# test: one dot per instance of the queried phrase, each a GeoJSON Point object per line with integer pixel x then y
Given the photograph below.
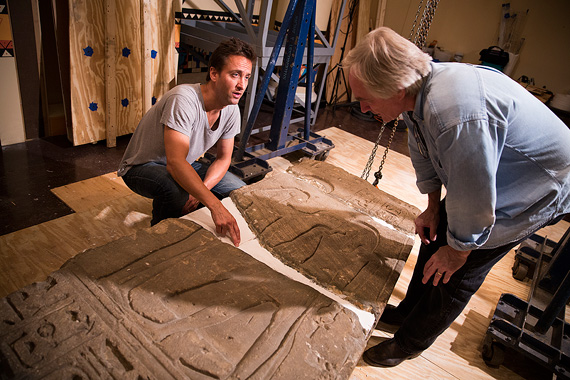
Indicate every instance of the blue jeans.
{"type": "Point", "coordinates": [152, 180]}
{"type": "Point", "coordinates": [429, 309]}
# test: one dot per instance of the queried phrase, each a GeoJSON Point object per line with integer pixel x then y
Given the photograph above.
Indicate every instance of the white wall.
{"type": "Point", "coordinates": [468, 26]}
{"type": "Point", "coordinates": [11, 118]}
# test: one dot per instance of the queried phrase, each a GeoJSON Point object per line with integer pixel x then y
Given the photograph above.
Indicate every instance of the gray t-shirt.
{"type": "Point", "coordinates": [183, 110]}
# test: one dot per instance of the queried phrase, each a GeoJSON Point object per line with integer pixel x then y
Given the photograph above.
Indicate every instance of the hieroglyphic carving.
{"type": "Point", "coordinates": [357, 193]}
{"type": "Point", "coordinates": [174, 302]}
{"type": "Point", "coordinates": [318, 219]}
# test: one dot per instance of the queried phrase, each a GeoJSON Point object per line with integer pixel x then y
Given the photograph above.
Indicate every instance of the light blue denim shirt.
{"type": "Point", "coordinates": [502, 155]}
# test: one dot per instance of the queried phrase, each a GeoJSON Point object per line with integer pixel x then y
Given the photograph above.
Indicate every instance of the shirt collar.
{"type": "Point", "coordinates": [420, 98]}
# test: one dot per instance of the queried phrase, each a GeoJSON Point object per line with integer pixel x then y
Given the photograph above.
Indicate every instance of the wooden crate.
{"type": "Point", "coordinates": [122, 59]}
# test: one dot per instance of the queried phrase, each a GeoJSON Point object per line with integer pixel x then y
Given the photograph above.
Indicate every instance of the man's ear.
{"type": "Point", "coordinates": [213, 74]}
{"type": "Point", "coordinates": [401, 94]}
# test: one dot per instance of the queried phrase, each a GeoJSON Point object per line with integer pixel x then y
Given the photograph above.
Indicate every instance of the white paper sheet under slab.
{"type": "Point", "coordinates": [250, 245]}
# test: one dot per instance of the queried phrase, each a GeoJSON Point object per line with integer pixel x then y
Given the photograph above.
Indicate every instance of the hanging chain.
{"type": "Point", "coordinates": [423, 28]}
{"type": "Point", "coordinates": [412, 31]}
{"type": "Point", "coordinates": [378, 174]}
{"type": "Point", "coordinates": [366, 171]}
{"type": "Point", "coordinates": [418, 37]}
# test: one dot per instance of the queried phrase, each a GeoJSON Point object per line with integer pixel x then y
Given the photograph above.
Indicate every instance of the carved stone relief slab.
{"type": "Point", "coordinates": [333, 227]}
{"type": "Point", "coordinates": [174, 302]}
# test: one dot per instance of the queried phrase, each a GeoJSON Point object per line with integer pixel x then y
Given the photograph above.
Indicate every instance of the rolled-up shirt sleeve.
{"type": "Point", "coordinates": [469, 156]}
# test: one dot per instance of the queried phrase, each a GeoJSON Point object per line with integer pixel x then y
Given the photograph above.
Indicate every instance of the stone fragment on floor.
{"type": "Point", "coordinates": [335, 228]}
{"type": "Point", "coordinates": [173, 302]}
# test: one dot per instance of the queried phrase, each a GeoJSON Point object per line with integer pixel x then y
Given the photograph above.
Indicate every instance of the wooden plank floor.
{"type": "Point", "coordinates": [107, 210]}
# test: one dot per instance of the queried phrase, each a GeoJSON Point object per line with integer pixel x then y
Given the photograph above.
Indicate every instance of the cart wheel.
{"type": "Point", "coordinates": [493, 354]}
{"type": "Point", "coordinates": [322, 156]}
{"type": "Point", "coordinates": [520, 271]}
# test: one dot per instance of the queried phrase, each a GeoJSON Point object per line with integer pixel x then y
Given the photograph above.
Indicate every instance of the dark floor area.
{"type": "Point", "coordinates": [28, 171]}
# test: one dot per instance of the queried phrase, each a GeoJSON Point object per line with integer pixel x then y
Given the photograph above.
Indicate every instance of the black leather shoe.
{"type": "Point", "coordinates": [391, 318]}
{"type": "Point", "coordinates": [386, 354]}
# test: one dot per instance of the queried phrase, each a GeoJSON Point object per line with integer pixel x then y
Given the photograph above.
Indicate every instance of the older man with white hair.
{"type": "Point", "coordinates": [502, 155]}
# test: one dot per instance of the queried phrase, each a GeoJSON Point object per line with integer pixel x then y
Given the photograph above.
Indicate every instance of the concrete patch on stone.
{"type": "Point", "coordinates": [174, 302]}
{"type": "Point", "coordinates": [324, 222]}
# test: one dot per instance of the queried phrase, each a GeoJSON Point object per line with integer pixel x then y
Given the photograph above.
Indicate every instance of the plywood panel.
{"type": "Point", "coordinates": [147, 43]}
{"type": "Point", "coordinates": [363, 26]}
{"type": "Point", "coordinates": [30, 254]}
{"type": "Point", "coordinates": [129, 66]}
{"type": "Point", "coordinates": [87, 71]}
{"type": "Point", "coordinates": [83, 195]}
{"type": "Point", "coordinates": [110, 73]}
{"type": "Point", "coordinates": [161, 49]}
{"type": "Point", "coordinates": [140, 38]}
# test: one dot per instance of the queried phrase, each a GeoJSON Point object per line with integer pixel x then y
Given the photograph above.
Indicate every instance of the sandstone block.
{"type": "Point", "coordinates": [333, 227]}
{"type": "Point", "coordinates": [173, 302]}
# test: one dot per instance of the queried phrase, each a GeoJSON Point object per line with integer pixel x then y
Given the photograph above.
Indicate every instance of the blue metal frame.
{"type": "Point", "coordinates": [297, 31]}
{"type": "Point", "coordinates": [292, 60]}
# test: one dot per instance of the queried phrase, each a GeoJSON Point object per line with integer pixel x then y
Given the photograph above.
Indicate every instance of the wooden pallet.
{"type": "Point", "coordinates": [122, 57]}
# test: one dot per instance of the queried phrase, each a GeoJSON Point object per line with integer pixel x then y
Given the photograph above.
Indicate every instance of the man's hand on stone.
{"type": "Point", "coordinates": [226, 224]}
{"type": "Point", "coordinates": [426, 225]}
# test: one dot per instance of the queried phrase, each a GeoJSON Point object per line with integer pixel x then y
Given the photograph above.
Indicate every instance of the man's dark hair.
{"type": "Point", "coordinates": [233, 46]}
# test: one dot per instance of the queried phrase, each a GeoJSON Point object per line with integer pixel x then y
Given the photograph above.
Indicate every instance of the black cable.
{"type": "Point", "coordinates": [340, 71]}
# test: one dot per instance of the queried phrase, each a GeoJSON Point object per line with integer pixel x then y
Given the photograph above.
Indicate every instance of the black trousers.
{"type": "Point", "coordinates": [432, 309]}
